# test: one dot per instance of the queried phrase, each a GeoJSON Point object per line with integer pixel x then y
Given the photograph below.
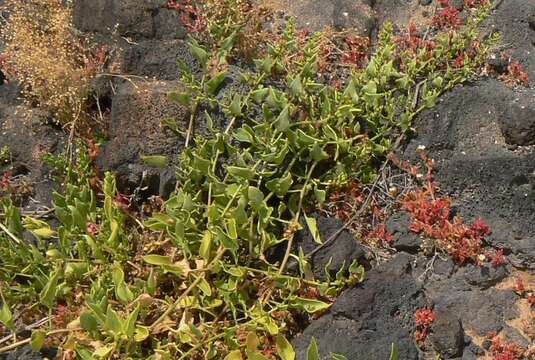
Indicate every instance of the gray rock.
{"type": "Point", "coordinates": [365, 320]}
{"type": "Point", "coordinates": [26, 353]}
{"type": "Point", "coordinates": [513, 19]}
{"type": "Point", "coordinates": [137, 111]}
{"type": "Point", "coordinates": [447, 336]}
{"type": "Point", "coordinates": [129, 17]}
{"type": "Point", "coordinates": [484, 276]}
{"type": "Point", "coordinates": [464, 136]}
{"type": "Point", "coordinates": [314, 15]}
{"type": "Point", "coordinates": [156, 58]}
{"type": "Point", "coordinates": [340, 252]}
{"type": "Point", "coordinates": [518, 124]}
{"type": "Point", "coordinates": [404, 240]}
{"type": "Point", "coordinates": [457, 4]}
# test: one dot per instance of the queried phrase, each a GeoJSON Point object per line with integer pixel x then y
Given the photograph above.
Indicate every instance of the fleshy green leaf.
{"type": "Point", "coordinates": [48, 294]}
{"type": "Point", "coordinates": [313, 228]}
{"type": "Point", "coordinates": [206, 245]}
{"type": "Point", "coordinates": [284, 348]}
{"type": "Point", "coordinates": [159, 161]}
{"type": "Point", "coordinates": [312, 350]}
{"type": "Point", "coordinates": [256, 197]}
{"type": "Point", "coordinates": [394, 352]}
{"type": "Point", "coordinates": [283, 120]}
{"type": "Point", "coordinates": [234, 355]}
{"type": "Point", "coordinates": [309, 305]}
{"type": "Point", "coordinates": [37, 340]}
{"type": "Point", "coordinates": [6, 317]}
{"type": "Point", "coordinates": [88, 321]}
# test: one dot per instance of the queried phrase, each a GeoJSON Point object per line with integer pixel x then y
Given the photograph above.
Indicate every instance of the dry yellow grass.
{"type": "Point", "coordinates": [42, 52]}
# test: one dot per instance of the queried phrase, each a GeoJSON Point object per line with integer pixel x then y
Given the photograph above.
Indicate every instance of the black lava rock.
{"type": "Point", "coordinates": [365, 320]}
{"type": "Point", "coordinates": [342, 251]}
{"type": "Point", "coordinates": [447, 336]}
{"type": "Point", "coordinates": [404, 240]}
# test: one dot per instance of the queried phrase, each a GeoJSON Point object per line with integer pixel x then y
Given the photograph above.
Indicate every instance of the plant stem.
{"type": "Point", "coordinates": [194, 284]}
{"type": "Point", "coordinates": [10, 234]}
{"type": "Point", "coordinates": [28, 340]}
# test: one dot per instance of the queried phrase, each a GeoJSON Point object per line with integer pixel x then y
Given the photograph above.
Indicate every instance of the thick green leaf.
{"type": "Point", "coordinates": [6, 317]}
{"type": "Point", "coordinates": [212, 85]}
{"type": "Point", "coordinates": [113, 322]}
{"type": "Point", "coordinates": [256, 197]}
{"type": "Point", "coordinates": [313, 228]}
{"type": "Point", "coordinates": [312, 350]}
{"type": "Point", "coordinates": [234, 355]}
{"type": "Point", "coordinates": [141, 333]}
{"type": "Point", "coordinates": [159, 161]}
{"type": "Point", "coordinates": [252, 341]}
{"type": "Point", "coordinates": [205, 287]}
{"type": "Point", "coordinates": [48, 294]}
{"type": "Point", "coordinates": [284, 348]}
{"type": "Point", "coordinates": [103, 351]}
{"type": "Point", "coordinates": [198, 52]}
{"type": "Point", "coordinates": [182, 98]}
{"type": "Point", "coordinates": [283, 120]}
{"type": "Point", "coordinates": [154, 259]}
{"type": "Point", "coordinates": [206, 245]}
{"type": "Point", "coordinates": [129, 325]}
{"type": "Point", "coordinates": [43, 232]}
{"type": "Point", "coordinates": [37, 340]}
{"type": "Point", "coordinates": [309, 305]}
{"type": "Point", "coordinates": [122, 291]}
{"type": "Point", "coordinates": [255, 356]}
{"type": "Point", "coordinates": [88, 321]}
{"type": "Point", "coordinates": [241, 172]}
{"type": "Point", "coordinates": [394, 352]}
{"type": "Point", "coordinates": [236, 105]}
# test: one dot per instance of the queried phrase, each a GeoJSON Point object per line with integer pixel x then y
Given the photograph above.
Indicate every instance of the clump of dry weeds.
{"type": "Point", "coordinates": [43, 53]}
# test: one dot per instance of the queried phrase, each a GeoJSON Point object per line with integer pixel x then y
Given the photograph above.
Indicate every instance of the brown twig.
{"type": "Point", "coordinates": [334, 236]}
{"type": "Point", "coordinates": [28, 340]}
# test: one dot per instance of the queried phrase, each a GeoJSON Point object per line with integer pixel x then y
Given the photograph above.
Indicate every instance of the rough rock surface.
{"type": "Point", "coordinates": [340, 252]}
{"type": "Point", "coordinates": [365, 320]}
{"type": "Point", "coordinates": [481, 136]}
{"type": "Point", "coordinates": [334, 14]}
{"type": "Point", "coordinates": [26, 353]}
{"type": "Point", "coordinates": [28, 135]}
{"type": "Point", "coordinates": [487, 178]}
{"type": "Point", "coordinates": [137, 112]}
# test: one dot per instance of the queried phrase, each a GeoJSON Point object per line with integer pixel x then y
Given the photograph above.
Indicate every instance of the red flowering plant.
{"type": "Point", "coordinates": [357, 51]}
{"type": "Point", "coordinates": [423, 318]}
{"type": "Point", "coordinates": [431, 216]}
{"type": "Point", "coordinates": [412, 43]}
{"type": "Point", "coordinates": [190, 15]}
{"type": "Point", "coordinates": [504, 350]}
{"type": "Point", "coordinates": [447, 18]}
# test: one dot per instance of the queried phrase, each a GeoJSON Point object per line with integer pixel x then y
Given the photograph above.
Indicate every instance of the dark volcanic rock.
{"type": "Point", "coordinates": [340, 252]}
{"type": "Point", "coordinates": [480, 311]}
{"type": "Point", "coordinates": [484, 276]}
{"type": "Point", "coordinates": [137, 111]}
{"type": "Point", "coordinates": [158, 59]}
{"type": "Point", "coordinates": [26, 353]}
{"type": "Point", "coordinates": [29, 135]}
{"type": "Point", "coordinates": [338, 14]}
{"type": "Point", "coordinates": [447, 336]}
{"type": "Point", "coordinates": [518, 124]}
{"type": "Point", "coordinates": [404, 240]}
{"type": "Point", "coordinates": [512, 18]}
{"type": "Point", "coordinates": [132, 18]}
{"type": "Point", "coordinates": [365, 320]}
{"type": "Point", "coordinates": [487, 180]}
